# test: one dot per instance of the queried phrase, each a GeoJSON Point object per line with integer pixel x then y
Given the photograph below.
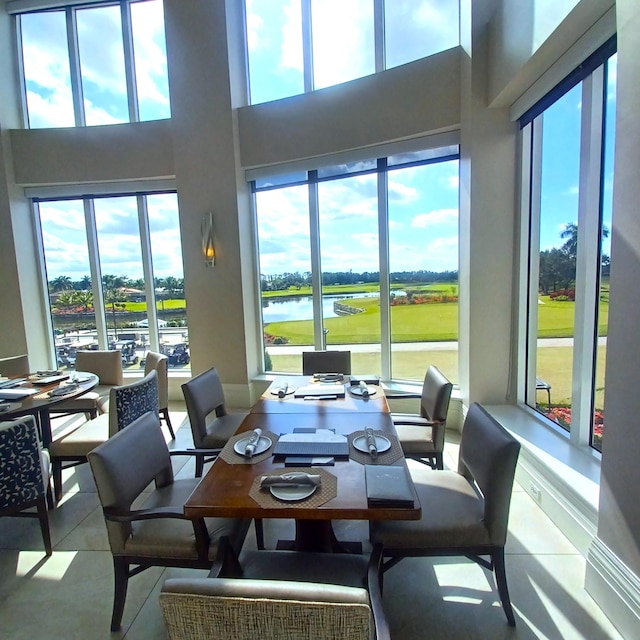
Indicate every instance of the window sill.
{"type": "Point", "coordinates": [562, 478]}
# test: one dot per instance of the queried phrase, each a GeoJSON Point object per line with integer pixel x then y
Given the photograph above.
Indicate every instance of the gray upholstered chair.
{"type": "Point", "coordinates": [464, 513]}
{"type": "Point", "coordinates": [107, 365]}
{"type": "Point", "coordinates": [422, 435]}
{"type": "Point", "coordinates": [211, 424]}
{"type": "Point", "coordinates": [14, 366]}
{"type": "Point", "coordinates": [24, 474]}
{"type": "Point", "coordinates": [326, 362]}
{"type": "Point", "coordinates": [281, 595]}
{"type": "Point", "coordinates": [126, 403]}
{"type": "Point", "coordinates": [160, 363]}
{"type": "Point", "coordinates": [156, 532]}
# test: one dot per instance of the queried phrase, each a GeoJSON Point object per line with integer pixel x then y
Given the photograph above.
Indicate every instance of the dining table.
{"type": "Point", "coordinates": [42, 391]}
{"type": "Point", "coordinates": [234, 485]}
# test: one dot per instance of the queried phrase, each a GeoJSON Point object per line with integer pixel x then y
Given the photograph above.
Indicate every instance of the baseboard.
{"type": "Point", "coordinates": [614, 587]}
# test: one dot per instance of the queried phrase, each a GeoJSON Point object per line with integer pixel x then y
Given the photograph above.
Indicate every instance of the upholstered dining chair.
{"type": "Point", "coordinates": [281, 595]}
{"type": "Point", "coordinates": [14, 366]}
{"type": "Point", "coordinates": [126, 403]}
{"type": "Point", "coordinates": [422, 435]}
{"type": "Point", "coordinates": [464, 513]}
{"type": "Point", "coordinates": [155, 533]}
{"type": "Point", "coordinates": [160, 363]}
{"type": "Point", "coordinates": [326, 362]}
{"type": "Point", "coordinates": [24, 474]}
{"type": "Point", "coordinates": [211, 424]}
{"type": "Point", "coordinates": [107, 365]}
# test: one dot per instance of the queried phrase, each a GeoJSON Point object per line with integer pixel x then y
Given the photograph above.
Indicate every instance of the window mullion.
{"type": "Point", "coordinates": [379, 35]}
{"type": "Point", "coordinates": [96, 273]}
{"type": "Point", "coordinates": [74, 68]}
{"type": "Point", "coordinates": [316, 265]}
{"type": "Point", "coordinates": [307, 45]}
{"type": "Point", "coordinates": [129, 61]}
{"type": "Point", "coordinates": [147, 270]}
{"type": "Point", "coordinates": [587, 257]}
{"type": "Point", "coordinates": [383, 248]}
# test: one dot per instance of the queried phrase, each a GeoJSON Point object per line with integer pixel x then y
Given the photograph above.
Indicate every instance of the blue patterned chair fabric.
{"type": "Point", "coordinates": [134, 400]}
{"type": "Point", "coordinates": [21, 478]}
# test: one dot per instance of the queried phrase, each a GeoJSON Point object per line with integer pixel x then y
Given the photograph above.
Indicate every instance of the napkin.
{"type": "Point", "coordinates": [371, 442]}
{"type": "Point", "coordinates": [365, 389]}
{"type": "Point", "coordinates": [288, 479]}
{"type": "Point", "coordinates": [282, 391]}
{"type": "Point", "coordinates": [252, 443]}
{"type": "Point", "coordinates": [63, 391]}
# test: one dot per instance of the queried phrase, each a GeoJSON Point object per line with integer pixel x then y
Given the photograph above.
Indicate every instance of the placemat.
{"type": "Point", "coordinates": [388, 457]}
{"type": "Point", "coordinates": [327, 490]}
{"type": "Point", "coordinates": [45, 395]}
{"type": "Point", "coordinates": [231, 457]}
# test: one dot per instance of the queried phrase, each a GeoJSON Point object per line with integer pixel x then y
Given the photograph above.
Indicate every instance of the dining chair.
{"type": "Point", "coordinates": [24, 474]}
{"type": "Point", "coordinates": [464, 512]}
{"type": "Point", "coordinates": [107, 365]}
{"type": "Point", "coordinates": [326, 362]}
{"type": "Point", "coordinates": [211, 424]}
{"type": "Point", "coordinates": [14, 366]}
{"type": "Point", "coordinates": [155, 532]}
{"type": "Point", "coordinates": [126, 403]}
{"type": "Point", "coordinates": [422, 435]}
{"type": "Point", "coordinates": [282, 595]}
{"type": "Point", "coordinates": [160, 363]}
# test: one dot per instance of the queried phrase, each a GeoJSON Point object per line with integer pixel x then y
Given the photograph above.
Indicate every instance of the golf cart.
{"type": "Point", "coordinates": [127, 349]}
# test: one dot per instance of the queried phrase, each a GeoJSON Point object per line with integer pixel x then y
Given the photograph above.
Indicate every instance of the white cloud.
{"type": "Point", "coordinates": [292, 57]}
{"type": "Point", "coordinates": [440, 216]}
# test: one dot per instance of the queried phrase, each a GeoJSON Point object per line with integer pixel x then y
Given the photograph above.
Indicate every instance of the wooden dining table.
{"type": "Point", "coordinates": [229, 487]}
{"type": "Point", "coordinates": [39, 403]}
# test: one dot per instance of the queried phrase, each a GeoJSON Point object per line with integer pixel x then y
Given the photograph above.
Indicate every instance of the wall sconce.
{"type": "Point", "coordinates": [208, 249]}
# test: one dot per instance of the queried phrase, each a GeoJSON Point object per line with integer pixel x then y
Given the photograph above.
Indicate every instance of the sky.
{"type": "Point", "coordinates": [423, 201]}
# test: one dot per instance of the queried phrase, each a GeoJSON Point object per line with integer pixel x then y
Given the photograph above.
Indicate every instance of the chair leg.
{"type": "Point", "coordinates": [259, 533]}
{"type": "Point", "coordinates": [438, 461]}
{"type": "Point", "coordinates": [56, 472]}
{"type": "Point", "coordinates": [50, 501]}
{"type": "Point", "coordinates": [199, 465]}
{"type": "Point", "coordinates": [121, 580]}
{"type": "Point", "coordinates": [43, 516]}
{"type": "Point", "coordinates": [501, 580]}
{"type": "Point", "coordinates": [165, 415]}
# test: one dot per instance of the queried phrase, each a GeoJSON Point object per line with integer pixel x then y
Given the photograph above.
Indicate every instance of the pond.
{"type": "Point", "coordinates": [301, 308]}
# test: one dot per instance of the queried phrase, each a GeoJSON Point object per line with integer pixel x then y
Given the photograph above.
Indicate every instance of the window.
{"type": "Point", "coordinates": [97, 64]}
{"type": "Point", "coordinates": [301, 45]}
{"type": "Point", "coordinates": [567, 143]}
{"type": "Point", "coordinates": [131, 245]}
{"type": "Point", "coordinates": [362, 256]}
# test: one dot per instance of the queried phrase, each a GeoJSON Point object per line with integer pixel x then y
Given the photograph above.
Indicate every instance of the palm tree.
{"type": "Point", "coordinates": [61, 283]}
{"type": "Point", "coordinates": [570, 233]}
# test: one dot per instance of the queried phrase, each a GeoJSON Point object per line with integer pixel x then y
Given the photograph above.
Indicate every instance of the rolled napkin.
{"type": "Point", "coordinates": [288, 479]}
{"type": "Point", "coordinates": [63, 390]}
{"type": "Point", "coordinates": [252, 443]}
{"type": "Point", "coordinates": [282, 391]}
{"type": "Point", "coordinates": [365, 389]}
{"type": "Point", "coordinates": [371, 442]}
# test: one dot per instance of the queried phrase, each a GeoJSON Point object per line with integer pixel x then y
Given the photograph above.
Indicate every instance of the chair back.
{"type": "Point", "coordinates": [326, 362]}
{"type": "Point", "coordinates": [220, 608]}
{"type": "Point", "coordinates": [436, 394]}
{"type": "Point", "coordinates": [203, 394]}
{"type": "Point", "coordinates": [107, 365]}
{"type": "Point", "coordinates": [489, 455]}
{"type": "Point", "coordinates": [14, 366]}
{"type": "Point", "coordinates": [123, 467]}
{"type": "Point", "coordinates": [130, 401]}
{"type": "Point", "coordinates": [159, 363]}
{"type": "Point", "coordinates": [22, 476]}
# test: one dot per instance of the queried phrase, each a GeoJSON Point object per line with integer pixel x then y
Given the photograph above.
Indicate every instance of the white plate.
{"type": "Point", "coordinates": [261, 446]}
{"type": "Point", "coordinates": [357, 391]}
{"type": "Point", "coordinates": [383, 444]}
{"type": "Point", "coordinates": [292, 493]}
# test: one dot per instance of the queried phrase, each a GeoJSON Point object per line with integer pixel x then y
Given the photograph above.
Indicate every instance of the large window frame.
{"type": "Point", "coordinates": [71, 9]}
{"type": "Point", "coordinates": [592, 75]}
{"type": "Point", "coordinates": [436, 149]}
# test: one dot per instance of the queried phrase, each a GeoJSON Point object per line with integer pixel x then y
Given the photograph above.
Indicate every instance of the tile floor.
{"type": "Point", "coordinates": [69, 595]}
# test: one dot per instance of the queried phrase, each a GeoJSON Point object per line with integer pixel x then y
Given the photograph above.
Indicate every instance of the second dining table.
{"type": "Point", "coordinates": [234, 485]}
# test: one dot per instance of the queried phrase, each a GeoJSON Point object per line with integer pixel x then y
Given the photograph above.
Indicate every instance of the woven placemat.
{"type": "Point", "coordinates": [388, 457]}
{"type": "Point", "coordinates": [327, 490]}
{"type": "Point", "coordinates": [229, 455]}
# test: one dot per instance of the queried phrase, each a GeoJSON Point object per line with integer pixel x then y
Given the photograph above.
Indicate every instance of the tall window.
{"type": "Point", "coordinates": [115, 277]}
{"type": "Point", "coordinates": [97, 64]}
{"type": "Point", "coordinates": [301, 45]}
{"type": "Point", "coordinates": [362, 256]}
{"type": "Point", "coordinates": [568, 144]}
